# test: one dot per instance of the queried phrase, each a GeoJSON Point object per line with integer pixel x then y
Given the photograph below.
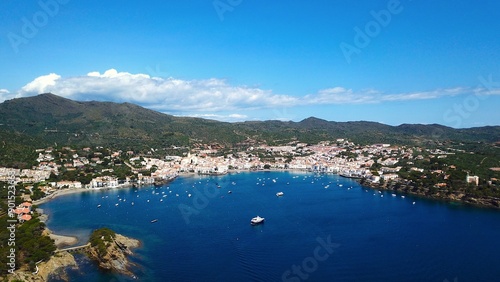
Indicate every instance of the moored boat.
{"type": "Point", "coordinates": [257, 220]}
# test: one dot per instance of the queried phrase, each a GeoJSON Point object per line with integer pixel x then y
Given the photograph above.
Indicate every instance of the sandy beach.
{"type": "Point", "coordinates": [61, 241]}
{"type": "Point", "coordinates": [59, 193]}
{"type": "Point", "coordinates": [63, 192]}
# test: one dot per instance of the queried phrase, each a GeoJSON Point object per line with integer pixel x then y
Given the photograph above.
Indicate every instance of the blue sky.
{"type": "Point", "coordinates": [387, 61]}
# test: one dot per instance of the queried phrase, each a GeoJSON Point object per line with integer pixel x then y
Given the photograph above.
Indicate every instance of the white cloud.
{"type": "Point", "coordinates": [163, 94]}
{"type": "Point", "coordinates": [205, 97]}
{"type": "Point", "coordinates": [426, 94]}
{"type": "Point", "coordinates": [41, 84]}
{"type": "Point", "coordinates": [339, 95]}
{"type": "Point", "coordinates": [222, 117]}
{"type": "Point", "coordinates": [6, 95]}
{"type": "Point", "coordinates": [238, 116]}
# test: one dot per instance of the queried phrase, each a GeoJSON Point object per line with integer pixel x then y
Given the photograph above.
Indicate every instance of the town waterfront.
{"type": "Point", "coordinates": [324, 228]}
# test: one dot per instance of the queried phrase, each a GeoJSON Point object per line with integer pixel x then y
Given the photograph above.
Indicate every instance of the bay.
{"type": "Point", "coordinates": [324, 228]}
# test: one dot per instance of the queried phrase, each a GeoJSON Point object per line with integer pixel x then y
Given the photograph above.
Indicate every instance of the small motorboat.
{"type": "Point", "coordinates": [257, 220]}
{"type": "Point", "coordinates": [154, 220]}
{"type": "Point", "coordinates": [279, 194]}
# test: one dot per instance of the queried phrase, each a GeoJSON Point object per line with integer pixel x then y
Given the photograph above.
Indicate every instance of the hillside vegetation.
{"type": "Point", "coordinates": [49, 120]}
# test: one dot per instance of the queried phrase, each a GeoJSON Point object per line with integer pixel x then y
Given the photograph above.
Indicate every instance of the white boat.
{"type": "Point", "coordinates": [256, 220]}
{"type": "Point", "coordinates": [98, 206]}
{"type": "Point", "coordinates": [279, 194]}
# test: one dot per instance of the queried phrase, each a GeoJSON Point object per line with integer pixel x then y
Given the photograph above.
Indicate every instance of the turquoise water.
{"type": "Point", "coordinates": [343, 232]}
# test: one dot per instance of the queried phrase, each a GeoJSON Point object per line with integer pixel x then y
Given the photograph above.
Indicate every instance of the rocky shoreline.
{"type": "Point", "coordinates": [484, 202]}
{"type": "Point", "coordinates": [116, 255]}
{"type": "Point", "coordinates": [56, 266]}
{"type": "Point", "coordinates": [115, 259]}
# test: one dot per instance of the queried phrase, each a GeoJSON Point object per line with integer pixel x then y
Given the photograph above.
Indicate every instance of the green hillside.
{"type": "Point", "coordinates": [48, 120]}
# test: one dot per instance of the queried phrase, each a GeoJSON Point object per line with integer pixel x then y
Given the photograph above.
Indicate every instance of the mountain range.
{"type": "Point", "coordinates": [47, 119]}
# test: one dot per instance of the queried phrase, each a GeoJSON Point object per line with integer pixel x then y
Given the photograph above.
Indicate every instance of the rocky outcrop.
{"type": "Point", "coordinates": [114, 258]}
{"type": "Point", "coordinates": [485, 202]}
{"type": "Point", "coordinates": [56, 266]}
{"type": "Point", "coordinates": [489, 202]}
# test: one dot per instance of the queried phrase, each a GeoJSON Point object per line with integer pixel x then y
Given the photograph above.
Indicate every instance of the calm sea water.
{"type": "Point", "coordinates": [369, 236]}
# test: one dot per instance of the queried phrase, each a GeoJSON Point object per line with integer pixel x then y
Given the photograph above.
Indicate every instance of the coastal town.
{"type": "Point", "coordinates": [413, 170]}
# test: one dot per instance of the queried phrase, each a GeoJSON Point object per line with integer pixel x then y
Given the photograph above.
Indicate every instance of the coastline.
{"type": "Point", "coordinates": [70, 240]}
{"type": "Point", "coordinates": [478, 202]}
{"type": "Point", "coordinates": [59, 193]}
{"type": "Point", "coordinates": [68, 191]}
{"type": "Point", "coordinates": [61, 240]}
{"type": "Point", "coordinates": [56, 265]}
{"type": "Point", "coordinates": [483, 202]}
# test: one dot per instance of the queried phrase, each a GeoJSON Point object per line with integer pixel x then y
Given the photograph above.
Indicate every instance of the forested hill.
{"type": "Point", "coordinates": [47, 119]}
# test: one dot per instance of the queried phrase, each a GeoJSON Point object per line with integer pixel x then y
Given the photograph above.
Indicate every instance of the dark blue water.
{"type": "Point", "coordinates": [340, 233]}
